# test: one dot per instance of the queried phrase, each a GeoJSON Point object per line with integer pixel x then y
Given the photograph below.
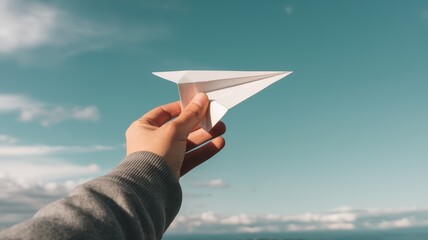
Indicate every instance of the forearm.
{"type": "Point", "coordinates": [137, 200]}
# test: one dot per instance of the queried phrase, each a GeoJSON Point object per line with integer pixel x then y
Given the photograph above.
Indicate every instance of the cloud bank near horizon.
{"type": "Point", "coordinates": [32, 176]}
{"type": "Point", "coordinates": [20, 198]}
{"type": "Point", "coordinates": [340, 219]}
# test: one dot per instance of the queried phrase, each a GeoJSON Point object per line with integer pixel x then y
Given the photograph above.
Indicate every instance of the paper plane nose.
{"type": "Point", "coordinates": [174, 76]}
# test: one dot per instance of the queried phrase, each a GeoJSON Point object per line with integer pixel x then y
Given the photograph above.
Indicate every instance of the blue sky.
{"type": "Point", "coordinates": [345, 135]}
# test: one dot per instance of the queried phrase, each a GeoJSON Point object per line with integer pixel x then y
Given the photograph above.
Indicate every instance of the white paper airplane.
{"type": "Point", "coordinates": [225, 89]}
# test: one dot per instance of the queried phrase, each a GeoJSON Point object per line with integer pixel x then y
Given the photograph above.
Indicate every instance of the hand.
{"type": "Point", "coordinates": [174, 140]}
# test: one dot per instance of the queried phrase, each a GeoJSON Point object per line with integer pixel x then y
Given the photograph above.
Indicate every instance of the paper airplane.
{"type": "Point", "coordinates": [225, 89]}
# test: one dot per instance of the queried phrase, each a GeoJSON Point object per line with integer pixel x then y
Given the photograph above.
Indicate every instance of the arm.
{"type": "Point", "coordinates": [141, 196]}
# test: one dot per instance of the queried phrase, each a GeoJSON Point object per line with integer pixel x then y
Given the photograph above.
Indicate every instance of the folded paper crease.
{"type": "Point", "coordinates": [225, 89]}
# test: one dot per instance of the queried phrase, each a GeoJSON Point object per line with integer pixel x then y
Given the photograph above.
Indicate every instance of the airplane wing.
{"type": "Point", "coordinates": [225, 89]}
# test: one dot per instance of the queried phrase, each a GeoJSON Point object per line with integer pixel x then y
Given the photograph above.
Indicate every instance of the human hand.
{"type": "Point", "coordinates": [174, 140]}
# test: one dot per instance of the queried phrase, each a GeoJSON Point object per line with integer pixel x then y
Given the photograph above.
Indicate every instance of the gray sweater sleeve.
{"type": "Point", "coordinates": [136, 200]}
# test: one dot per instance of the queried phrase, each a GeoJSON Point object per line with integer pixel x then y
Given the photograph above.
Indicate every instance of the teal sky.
{"type": "Point", "coordinates": [347, 128]}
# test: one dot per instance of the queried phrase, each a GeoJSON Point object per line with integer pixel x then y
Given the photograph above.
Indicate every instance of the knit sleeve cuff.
{"type": "Point", "coordinates": [149, 176]}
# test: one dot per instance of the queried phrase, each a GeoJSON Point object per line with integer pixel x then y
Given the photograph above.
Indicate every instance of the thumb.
{"type": "Point", "coordinates": [192, 115]}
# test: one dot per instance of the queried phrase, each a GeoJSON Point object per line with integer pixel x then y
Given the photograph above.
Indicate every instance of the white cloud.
{"type": "Point", "coordinates": [344, 219]}
{"type": "Point", "coordinates": [399, 223]}
{"type": "Point", "coordinates": [25, 24]}
{"type": "Point", "coordinates": [36, 162]}
{"type": "Point", "coordinates": [248, 229]}
{"type": "Point", "coordinates": [32, 150]}
{"type": "Point", "coordinates": [29, 26]}
{"type": "Point", "coordinates": [28, 182]}
{"type": "Point", "coordinates": [375, 212]}
{"type": "Point", "coordinates": [214, 183]}
{"type": "Point", "coordinates": [209, 217]}
{"type": "Point", "coordinates": [29, 109]}
{"type": "Point", "coordinates": [237, 219]}
{"type": "Point", "coordinates": [30, 177]}
{"type": "Point", "coordinates": [46, 169]}
{"type": "Point", "coordinates": [5, 139]}
{"type": "Point", "coordinates": [301, 228]}
{"type": "Point", "coordinates": [20, 199]}
{"type": "Point", "coordinates": [325, 218]}
{"type": "Point", "coordinates": [340, 226]}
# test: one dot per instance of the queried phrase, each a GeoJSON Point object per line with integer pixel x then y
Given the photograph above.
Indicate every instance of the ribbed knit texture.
{"type": "Point", "coordinates": [150, 179]}
{"type": "Point", "coordinates": [136, 200]}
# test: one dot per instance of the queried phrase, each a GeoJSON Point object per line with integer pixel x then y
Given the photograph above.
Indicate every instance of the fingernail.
{"type": "Point", "coordinates": [200, 99]}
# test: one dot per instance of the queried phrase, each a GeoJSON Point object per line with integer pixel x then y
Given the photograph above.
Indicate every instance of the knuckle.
{"type": "Point", "coordinates": [148, 121]}
{"type": "Point", "coordinates": [193, 112]}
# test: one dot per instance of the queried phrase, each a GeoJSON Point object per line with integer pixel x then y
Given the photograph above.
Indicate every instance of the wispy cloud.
{"type": "Point", "coordinates": [43, 162]}
{"type": "Point", "coordinates": [46, 169]}
{"type": "Point", "coordinates": [34, 150]}
{"type": "Point", "coordinates": [26, 26]}
{"type": "Point", "coordinates": [288, 10]}
{"type": "Point", "coordinates": [30, 110]}
{"type": "Point", "coordinates": [399, 223]}
{"type": "Point", "coordinates": [214, 183]}
{"type": "Point", "coordinates": [5, 139]}
{"type": "Point", "coordinates": [337, 219]}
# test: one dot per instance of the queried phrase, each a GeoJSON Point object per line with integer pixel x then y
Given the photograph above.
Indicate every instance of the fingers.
{"type": "Point", "coordinates": [200, 155]}
{"type": "Point", "coordinates": [200, 136]}
{"type": "Point", "coordinates": [192, 115]}
{"type": "Point", "coordinates": [162, 114]}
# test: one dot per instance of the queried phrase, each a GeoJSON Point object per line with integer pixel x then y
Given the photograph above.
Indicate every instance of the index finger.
{"type": "Point", "coordinates": [162, 114]}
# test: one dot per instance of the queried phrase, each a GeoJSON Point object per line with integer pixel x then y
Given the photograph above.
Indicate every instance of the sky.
{"type": "Point", "coordinates": [341, 144]}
